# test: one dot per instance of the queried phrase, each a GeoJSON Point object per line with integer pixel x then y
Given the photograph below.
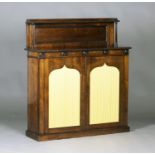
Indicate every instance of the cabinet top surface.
{"type": "Point", "coordinates": [71, 20]}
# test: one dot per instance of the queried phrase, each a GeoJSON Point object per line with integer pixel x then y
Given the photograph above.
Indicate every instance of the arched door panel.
{"type": "Point", "coordinates": [104, 95]}
{"type": "Point", "coordinates": [64, 98]}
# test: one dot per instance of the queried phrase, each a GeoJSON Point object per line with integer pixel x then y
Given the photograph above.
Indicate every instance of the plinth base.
{"type": "Point", "coordinates": [82, 133]}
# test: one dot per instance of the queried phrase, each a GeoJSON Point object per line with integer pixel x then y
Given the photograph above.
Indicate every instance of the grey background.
{"type": "Point", "coordinates": [136, 29]}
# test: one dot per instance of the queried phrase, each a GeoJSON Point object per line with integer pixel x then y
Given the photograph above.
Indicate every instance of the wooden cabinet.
{"type": "Point", "coordinates": [77, 78]}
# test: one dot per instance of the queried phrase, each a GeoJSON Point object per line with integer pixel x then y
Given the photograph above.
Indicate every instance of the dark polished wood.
{"type": "Point", "coordinates": [89, 132]}
{"type": "Point", "coordinates": [71, 34]}
{"type": "Point", "coordinates": [81, 44]}
{"type": "Point", "coordinates": [72, 20]}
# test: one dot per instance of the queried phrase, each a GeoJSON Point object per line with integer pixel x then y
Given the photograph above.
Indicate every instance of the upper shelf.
{"type": "Point", "coordinates": [57, 34]}
{"type": "Point", "coordinates": [71, 20]}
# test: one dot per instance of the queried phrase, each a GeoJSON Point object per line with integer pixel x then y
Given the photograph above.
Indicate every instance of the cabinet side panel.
{"type": "Point", "coordinates": [29, 32]}
{"type": "Point", "coordinates": [111, 40]}
{"type": "Point", "coordinates": [41, 95]}
{"type": "Point", "coordinates": [32, 95]}
{"type": "Point", "coordinates": [124, 117]}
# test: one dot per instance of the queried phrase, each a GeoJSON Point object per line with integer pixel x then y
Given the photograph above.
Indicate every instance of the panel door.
{"type": "Point", "coordinates": [63, 96]}
{"type": "Point", "coordinates": [107, 91]}
{"type": "Point", "coordinates": [104, 94]}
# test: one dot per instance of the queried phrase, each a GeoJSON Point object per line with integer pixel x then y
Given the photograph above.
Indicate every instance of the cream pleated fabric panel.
{"type": "Point", "coordinates": [64, 98]}
{"type": "Point", "coordinates": [104, 95]}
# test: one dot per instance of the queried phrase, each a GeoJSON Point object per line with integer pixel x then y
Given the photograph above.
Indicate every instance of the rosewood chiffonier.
{"type": "Point", "coordinates": [77, 78]}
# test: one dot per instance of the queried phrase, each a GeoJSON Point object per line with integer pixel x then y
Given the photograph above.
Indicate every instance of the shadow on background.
{"type": "Point", "coordinates": [13, 114]}
{"type": "Point", "coordinates": [139, 123]}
